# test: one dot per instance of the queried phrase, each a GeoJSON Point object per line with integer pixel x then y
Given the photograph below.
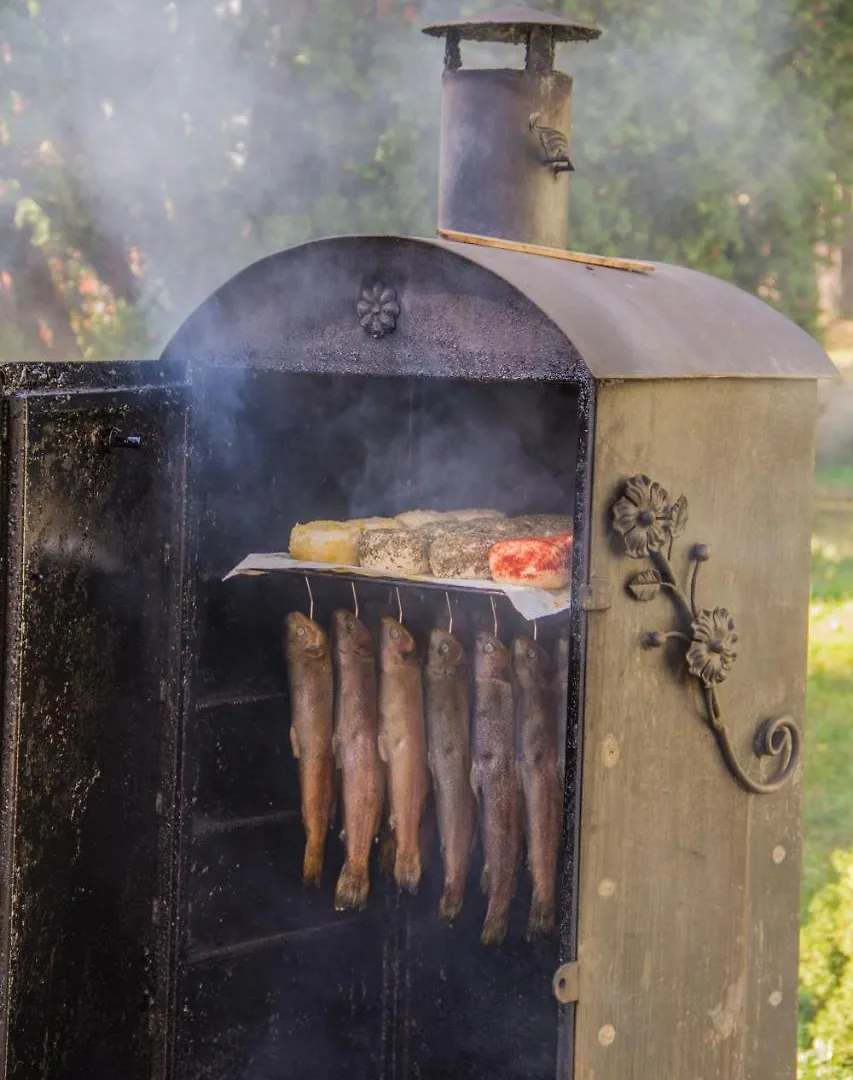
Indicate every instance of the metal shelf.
{"type": "Point", "coordinates": [202, 954]}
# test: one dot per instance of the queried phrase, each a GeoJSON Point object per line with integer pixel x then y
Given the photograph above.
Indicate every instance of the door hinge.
{"type": "Point", "coordinates": [596, 596]}
{"type": "Point", "coordinates": [566, 983]}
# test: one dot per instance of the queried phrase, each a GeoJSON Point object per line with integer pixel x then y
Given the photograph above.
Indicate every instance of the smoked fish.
{"type": "Point", "coordinates": [357, 754]}
{"type": "Point", "coordinates": [494, 779]}
{"type": "Point", "coordinates": [447, 699]}
{"type": "Point", "coordinates": [537, 754]}
{"type": "Point", "coordinates": [309, 668]}
{"type": "Point", "coordinates": [402, 745]}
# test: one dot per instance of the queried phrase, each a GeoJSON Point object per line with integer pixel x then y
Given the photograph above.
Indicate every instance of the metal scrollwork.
{"type": "Point", "coordinates": [648, 523]}
{"type": "Point", "coordinates": [377, 310]}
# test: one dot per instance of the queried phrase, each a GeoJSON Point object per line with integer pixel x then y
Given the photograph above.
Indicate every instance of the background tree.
{"type": "Point", "coordinates": [149, 151]}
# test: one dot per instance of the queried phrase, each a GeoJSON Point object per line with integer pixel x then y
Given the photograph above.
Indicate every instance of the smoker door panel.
{"type": "Point", "coordinates": [91, 699]}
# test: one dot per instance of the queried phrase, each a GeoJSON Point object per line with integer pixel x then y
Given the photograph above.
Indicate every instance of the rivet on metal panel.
{"type": "Point", "coordinates": [606, 888]}
{"type": "Point", "coordinates": [609, 751]}
{"type": "Point", "coordinates": [775, 998]}
{"type": "Point", "coordinates": [779, 854]}
{"type": "Point", "coordinates": [596, 596]}
{"type": "Point", "coordinates": [607, 1034]}
{"type": "Point", "coordinates": [566, 983]}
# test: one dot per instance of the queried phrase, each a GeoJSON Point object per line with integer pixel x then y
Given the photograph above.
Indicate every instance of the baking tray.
{"type": "Point", "coordinates": [530, 602]}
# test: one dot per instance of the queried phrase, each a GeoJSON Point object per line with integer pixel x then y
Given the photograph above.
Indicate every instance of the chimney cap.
{"type": "Point", "coordinates": [513, 25]}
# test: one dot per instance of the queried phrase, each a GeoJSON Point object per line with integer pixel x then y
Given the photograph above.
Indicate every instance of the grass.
{"type": "Point", "coordinates": [829, 722]}
{"type": "Point", "coordinates": [835, 478]}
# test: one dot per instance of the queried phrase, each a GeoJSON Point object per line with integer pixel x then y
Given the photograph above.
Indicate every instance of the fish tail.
{"type": "Point", "coordinates": [407, 870]}
{"type": "Point", "coordinates": [451, 902]}
{"type": "Point", "coordinates": [312, 864]}
{"type": "Point", "coordinates": [541, 920]}
{"type": "Point", "coordinates": [352, 889]}
{"type": "Point", "coordinates": [494, 929]}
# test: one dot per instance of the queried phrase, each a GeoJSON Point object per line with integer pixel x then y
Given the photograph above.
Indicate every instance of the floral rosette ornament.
{"type": "Point", "coordinates": [377, 310]}
{"type": "Point", "coordinates": [649, 524]}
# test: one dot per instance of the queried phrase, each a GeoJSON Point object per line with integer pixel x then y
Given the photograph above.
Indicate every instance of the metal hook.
{"type": "Point", "coordinates": [354, 598]}
{"type": "Point", "coordinates": [399, 605]}
{"type": "Point", "coordinates": [494, 614]}
{"type": "Point", "coordinates": [449, 613]}
{"type": "Point", "coordinates": [310, 597]}
{"type": "Point", "coordinates": [535, 629]}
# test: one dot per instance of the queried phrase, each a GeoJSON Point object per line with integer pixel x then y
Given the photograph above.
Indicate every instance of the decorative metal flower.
{"type": "Point", "coordinates": [378, 310]}
{"type": "Point", "coordinates": [712, 648]}
{"type": "Point", "coordinates": [648, 524]}
{"type": "Point", "coordinates": [641, 516]}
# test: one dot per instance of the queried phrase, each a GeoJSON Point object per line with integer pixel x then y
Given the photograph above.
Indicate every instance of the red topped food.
{"type": "Point", "coordinates": [543, 562]}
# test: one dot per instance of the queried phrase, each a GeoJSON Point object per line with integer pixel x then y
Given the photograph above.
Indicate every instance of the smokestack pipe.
{"type": "Point", "coordinates": [505, 134]}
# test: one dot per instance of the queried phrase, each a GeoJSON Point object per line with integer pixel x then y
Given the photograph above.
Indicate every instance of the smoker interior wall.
{"type": "Point", "coordinates": [688, 954]}
{"type": "Point", "coordinates": [271, 981]}
{"type": "Point", "coordinates": [91, 675]}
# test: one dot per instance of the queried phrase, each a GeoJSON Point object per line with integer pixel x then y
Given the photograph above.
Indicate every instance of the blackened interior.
{"type": "Point", "coordinates": [271, 982]}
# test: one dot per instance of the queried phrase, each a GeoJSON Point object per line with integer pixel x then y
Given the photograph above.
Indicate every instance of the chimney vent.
{"type": "Point", "coordinates": [505, 133]}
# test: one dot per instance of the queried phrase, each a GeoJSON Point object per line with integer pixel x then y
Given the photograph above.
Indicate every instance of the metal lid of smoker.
{"type": "Point", "coordinates": [513, 25]}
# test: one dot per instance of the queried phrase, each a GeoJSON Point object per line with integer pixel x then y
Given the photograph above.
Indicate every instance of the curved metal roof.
{"type": "Point", "coordinates": [670, 323]}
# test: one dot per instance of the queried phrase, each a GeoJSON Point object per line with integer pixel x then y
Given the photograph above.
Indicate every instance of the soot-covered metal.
{"type": "Point", "coordinates": [155, 925]}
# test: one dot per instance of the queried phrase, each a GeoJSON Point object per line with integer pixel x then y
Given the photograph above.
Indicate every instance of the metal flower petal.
{"type": "Point", "coordinates": [641, 516]}
{"type": "Point", "coordinates": [712, 648]}
{"type": "Point", "coordinates": [377, 310]}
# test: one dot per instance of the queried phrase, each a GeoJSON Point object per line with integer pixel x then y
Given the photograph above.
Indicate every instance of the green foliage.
{"type": "Point", "coordinates": [826, 978]}
{"type": "Point", "coordinates": [166, 146]}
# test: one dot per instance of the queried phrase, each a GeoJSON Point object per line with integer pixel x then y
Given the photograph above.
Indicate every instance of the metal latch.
{"type": "Point", "coordinates": [566, 983]}
{"type": "Point", "coordinates": [596, 596]}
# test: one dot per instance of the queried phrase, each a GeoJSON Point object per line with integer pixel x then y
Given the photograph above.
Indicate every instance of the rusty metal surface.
{"type": "Point", "coordinates": [492, 178]}
{"type": "Point", "coordinates": [92, 559]}
{"type": "Point", "coordinates": [471, 312]}
{"type": "Point", "coordinates": [512, 25]}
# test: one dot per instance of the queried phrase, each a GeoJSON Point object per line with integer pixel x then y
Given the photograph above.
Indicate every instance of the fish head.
{"type": "Point", "coordinates": [491, 658]}
{"type": "Point", "coordinates": [304, 637]}
{"type": "Point", "coordinates": [397, 646]}
{"type": "Point", "coordinates": [530, 662]}
{"type": "Point", "coordinates": [352, 638]}
{"type": "Point", "coordinates": [446, 655]}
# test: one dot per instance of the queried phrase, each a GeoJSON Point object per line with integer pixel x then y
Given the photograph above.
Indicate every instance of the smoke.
{"type": "Point", "coordinates": [204, 134]}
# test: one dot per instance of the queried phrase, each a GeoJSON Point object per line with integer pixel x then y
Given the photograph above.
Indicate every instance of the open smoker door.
{"type": "Point", "coordinates": [94, 493]}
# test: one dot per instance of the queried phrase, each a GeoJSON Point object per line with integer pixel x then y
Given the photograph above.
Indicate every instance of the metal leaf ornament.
{"type": "Point", "coordinates": [648, 523]}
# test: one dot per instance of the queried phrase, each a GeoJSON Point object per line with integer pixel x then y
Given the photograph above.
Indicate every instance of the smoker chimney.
{"type": "Point", "coordinates": [505, 133]}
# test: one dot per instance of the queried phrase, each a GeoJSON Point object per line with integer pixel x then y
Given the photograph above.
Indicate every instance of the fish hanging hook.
{"type": "Point", "coordinates": [310, 597]}
{"type": "Point", "coordinates": [494, 614]}
{"type": "Point", "coordinates": [449, 612]}
{"type": "Point", "coordinates": [399, 605]}
{"type": "Point", "coordinates": [354, 598]}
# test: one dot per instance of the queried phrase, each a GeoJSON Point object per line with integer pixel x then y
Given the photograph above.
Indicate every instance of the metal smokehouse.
{"type": "Point", "coordinates": [155, 920]}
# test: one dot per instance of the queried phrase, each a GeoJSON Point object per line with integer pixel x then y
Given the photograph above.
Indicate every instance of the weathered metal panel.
{"type": "Point", "coordinates": [493, 180]}
{"type": "Point", "coordinates": [688, 913]}
{"type": "Point", "coordinates": [477, 312]}
{"type": "Point", "coordinates": [90, 713]}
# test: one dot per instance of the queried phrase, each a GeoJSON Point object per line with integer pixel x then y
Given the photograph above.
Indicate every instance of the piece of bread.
{"type": "Point", "coordinates": [397, 552]}
{"type": "Point", "coordinates": [542, 525]}
{"type": "Point", "coordinates": [377, 523]}
{"type": "Point", "coordinates": [461, 554]}
{"type": "Point", "coordinates": [413, 519]}
{"type": "Point", "coordinates": [326, 542]}
{"type": "Point", "coordinates": [476, 515]}
{"type": "Point", "coordinates": [542, 562]}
